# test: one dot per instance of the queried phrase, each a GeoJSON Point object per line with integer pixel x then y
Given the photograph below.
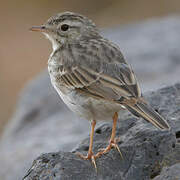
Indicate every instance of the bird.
{"type": "Point", "coordinates": [92, 76]}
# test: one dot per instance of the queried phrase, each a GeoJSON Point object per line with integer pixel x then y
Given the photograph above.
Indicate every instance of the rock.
{"type": "Point", "coordinates": [141, 160]}
{"type": "Point", "coordinates": [170, 173]}
{"type": "Point", "coordinates": [145, 149]}
{"type": "Point", "coordinates": [171, 163]}
{"type": "Point", "coordinates": [42, 123]}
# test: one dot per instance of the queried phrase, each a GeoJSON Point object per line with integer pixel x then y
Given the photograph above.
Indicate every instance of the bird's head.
{"type": "Point", "coordinates": [67, 27]}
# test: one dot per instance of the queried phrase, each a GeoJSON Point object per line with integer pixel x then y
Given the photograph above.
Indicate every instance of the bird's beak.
{"type": "Point", "coordinates": [38, 28]}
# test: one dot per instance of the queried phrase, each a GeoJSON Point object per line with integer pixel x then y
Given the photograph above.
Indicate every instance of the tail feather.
{"type": "Point", "coordinates": [142, 109]}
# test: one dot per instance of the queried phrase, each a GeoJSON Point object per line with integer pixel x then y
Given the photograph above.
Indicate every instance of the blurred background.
{"type": "Point", "coordinates": [24, 54]}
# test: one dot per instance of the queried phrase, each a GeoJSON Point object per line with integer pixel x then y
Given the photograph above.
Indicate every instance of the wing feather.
{"type": "Point", "coordinates": [101, 84]}
{"type": "Point", "coordinates": [95, 73]}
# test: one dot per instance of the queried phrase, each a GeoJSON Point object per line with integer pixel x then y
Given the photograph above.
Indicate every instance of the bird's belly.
{"type": "Point", "coordinates": [89, 107]}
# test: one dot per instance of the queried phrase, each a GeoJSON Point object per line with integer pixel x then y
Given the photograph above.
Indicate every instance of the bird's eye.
{"type": "Point", "coordinates": [64, 27]}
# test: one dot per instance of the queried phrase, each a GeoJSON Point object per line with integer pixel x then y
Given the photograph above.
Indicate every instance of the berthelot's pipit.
{"type": "Point", "coordinates": [91, 75]}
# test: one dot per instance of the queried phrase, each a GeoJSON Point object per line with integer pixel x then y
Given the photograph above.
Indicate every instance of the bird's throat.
{"type": "Point", "coordinates": [55, 44]}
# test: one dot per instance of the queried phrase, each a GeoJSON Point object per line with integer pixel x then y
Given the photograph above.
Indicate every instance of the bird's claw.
{"type": "Point", "coordinates": [111, 145]}
{"type": "Point", "coordinates": [90, 156]}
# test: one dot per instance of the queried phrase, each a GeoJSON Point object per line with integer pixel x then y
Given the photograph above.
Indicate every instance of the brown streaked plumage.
{"type": "Point", "coordinates": [91, 75]}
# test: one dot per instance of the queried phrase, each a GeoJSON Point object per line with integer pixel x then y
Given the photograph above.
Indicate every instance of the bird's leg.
{"type": "Point", "coordinates": [113, 141]}
{"type": "Point", "coordinates": [90, 154]}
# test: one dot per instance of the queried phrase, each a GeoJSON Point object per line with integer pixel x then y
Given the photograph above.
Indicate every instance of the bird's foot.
{"type": "Point", "coordinates": [90, 156]}
{"type": "Point", "coordinates": [112, 144]}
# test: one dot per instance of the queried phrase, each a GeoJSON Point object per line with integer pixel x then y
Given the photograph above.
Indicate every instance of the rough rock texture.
{"type": "Point", "coordinates": [42, 123]}
{"type": "Point", "coordinates": [170, 173]}
{"type": "Point", "coordinates": [145, 149]}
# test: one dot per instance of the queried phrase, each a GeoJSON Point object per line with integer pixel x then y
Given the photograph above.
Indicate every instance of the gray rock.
{"type": "Point", "coordinates": [141, 160]}
{"type": "Point", "coordinates": [42, 123]}
{"type": "Point", "coordinates": [170, 173]}
{"type": "Point", "coordinates": [145, 149]}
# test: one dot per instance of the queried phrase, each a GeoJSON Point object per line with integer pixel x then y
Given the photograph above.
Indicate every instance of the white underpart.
{"type": "Point", "coordinates": [55, 45]}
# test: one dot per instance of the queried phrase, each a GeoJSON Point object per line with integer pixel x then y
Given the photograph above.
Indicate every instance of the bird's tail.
{"type": "Point", "coordinates": [142, 109]}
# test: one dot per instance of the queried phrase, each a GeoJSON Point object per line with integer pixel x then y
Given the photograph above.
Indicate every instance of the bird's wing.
{"type": "Point", "coordinates": [112, 82]}
{"type": "Point", "coordinates": [99, 69]}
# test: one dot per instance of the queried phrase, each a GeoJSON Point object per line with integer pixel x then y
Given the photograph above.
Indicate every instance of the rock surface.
{"type": "Point", "coordinates": [42, 123]}
{"type": "Point", "coordinates": [170, 173]}
{"type": "Point", "coordinates": [145, 149]}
